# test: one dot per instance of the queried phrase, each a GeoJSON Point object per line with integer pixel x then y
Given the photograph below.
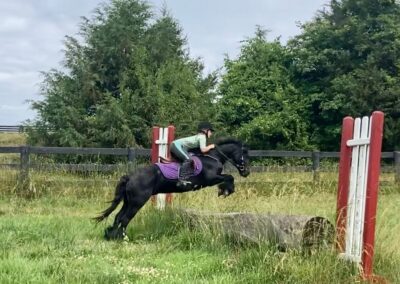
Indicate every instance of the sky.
{"type": "Point", "coordinates": [32, 34]}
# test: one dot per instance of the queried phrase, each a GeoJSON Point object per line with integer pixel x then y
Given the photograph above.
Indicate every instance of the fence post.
{"type": "Point", "coordinates": [397, 167]}
{"type": "Point", "coordinates": [162, 138]}
{"type": "Point", "coordinates": [24, 168]}
{"type": "Point", "coordinates": [171, 137]}
{"type": "Point", "coordinates": [316, 155]}
{"type": "Point", "coordinates": [131, 158]}
{"type": "Point", "coordinates": [154, 154]}
{"type": "Point", "coordinates": [371, 200]}
{"type": "Point", "coordinates": [343, 182]}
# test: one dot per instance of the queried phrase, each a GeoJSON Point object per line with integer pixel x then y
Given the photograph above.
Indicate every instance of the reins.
{"type": "Point", "coordinates": [238, 166]}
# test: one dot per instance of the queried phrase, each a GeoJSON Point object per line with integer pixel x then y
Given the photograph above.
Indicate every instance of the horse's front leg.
{"type": "Point", "coordinates": [226, 186]}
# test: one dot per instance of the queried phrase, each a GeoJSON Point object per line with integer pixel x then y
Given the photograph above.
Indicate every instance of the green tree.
{"type": "Point", "coordinates": [109, 127]}
{"type": "Point", "coordinates": [129, 71]}
{"type": "Point", "coordinates": [62, 113]}
{"type": "Point", "coordinates": [346, 62]}
{"type": "Point", "coordinates": [257, 97]}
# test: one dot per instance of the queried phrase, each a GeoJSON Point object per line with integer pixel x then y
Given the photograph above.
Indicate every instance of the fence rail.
{"type": "Point", "coordinates": [133, 153]}
{"type": "Point", "coordinates": [12, 128]}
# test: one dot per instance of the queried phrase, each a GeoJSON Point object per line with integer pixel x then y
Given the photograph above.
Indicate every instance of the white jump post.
{"type": "Point", "coordinates": [162, 138]}
{"type": "Point", "coordinates": [357, 197]}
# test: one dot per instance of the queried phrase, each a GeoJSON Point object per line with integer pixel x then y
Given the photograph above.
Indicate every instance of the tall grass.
{"type": "Point", "coordinates": [51, 239]}
{"type": "Point", "coordinates": [12, 139]}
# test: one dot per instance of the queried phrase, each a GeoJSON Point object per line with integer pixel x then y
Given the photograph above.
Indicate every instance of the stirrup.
{"type": "Point", "coordinates": [183, 182]}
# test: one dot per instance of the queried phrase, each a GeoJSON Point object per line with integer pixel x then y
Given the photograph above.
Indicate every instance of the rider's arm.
{"type": "Point", "coordinates": [207, 148]}
{"type": "Point", "coordinates": [202, 144]}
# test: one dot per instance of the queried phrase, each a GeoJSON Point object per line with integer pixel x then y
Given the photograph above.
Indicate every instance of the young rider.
{"type": "Point", "coordinates": [182, 146]}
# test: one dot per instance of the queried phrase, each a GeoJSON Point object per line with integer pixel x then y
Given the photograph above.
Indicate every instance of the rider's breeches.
{"type": "Point", "coordinates": [179, 151]}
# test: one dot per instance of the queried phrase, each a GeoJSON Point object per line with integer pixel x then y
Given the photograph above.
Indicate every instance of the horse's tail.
{"type": "Point", "coordinates": [119, 195]}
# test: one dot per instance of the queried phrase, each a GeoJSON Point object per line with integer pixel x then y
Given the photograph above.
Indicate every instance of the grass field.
{"type": "Point", "coordinates": [50, 238]}
{"type": "Point", "coordinates": [12, 139]}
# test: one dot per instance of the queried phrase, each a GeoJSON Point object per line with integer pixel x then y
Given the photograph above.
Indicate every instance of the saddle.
{"type": "Point", "coordinates": [170, 168]}
{"type": "Point", "coordinates": [167, 160]}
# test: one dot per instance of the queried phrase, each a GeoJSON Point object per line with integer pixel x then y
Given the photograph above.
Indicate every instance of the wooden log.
{"type": "Point", "coordinates": [286, 231]}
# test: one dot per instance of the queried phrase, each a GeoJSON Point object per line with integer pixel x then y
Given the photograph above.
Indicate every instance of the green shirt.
{"type": "Point", "coordinates": [192, 142]}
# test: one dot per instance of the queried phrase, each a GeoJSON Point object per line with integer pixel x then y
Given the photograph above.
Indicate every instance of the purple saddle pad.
{"type": "Point", "coordinates": [171, 170]}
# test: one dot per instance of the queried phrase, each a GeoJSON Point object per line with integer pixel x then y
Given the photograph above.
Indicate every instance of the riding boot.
{"type": "Point", "coordinates": [185, 172]}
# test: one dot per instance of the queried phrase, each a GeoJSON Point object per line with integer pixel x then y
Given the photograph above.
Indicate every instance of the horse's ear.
{"type": "Point", "coordinates": [245, 148]}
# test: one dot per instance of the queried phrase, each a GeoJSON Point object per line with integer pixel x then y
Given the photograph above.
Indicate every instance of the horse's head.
{"type": "Point", "coordinates": [235, 152]}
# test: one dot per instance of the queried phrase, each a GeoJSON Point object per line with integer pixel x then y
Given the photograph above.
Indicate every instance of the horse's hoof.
{"type": "Point", "coordinates": [228, 192]}
{"type": "Point", "coordinates": [114, 234]}
{"type": "Point", "coordinates": [107, 233]}
{"type": "Point", "coordinates": [126, 238]}
{"type": "Point", "coordinates": [224, 193]}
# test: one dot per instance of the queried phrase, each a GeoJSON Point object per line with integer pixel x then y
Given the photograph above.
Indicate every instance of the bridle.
{"type": "Point", "coordinates": [240, 166]}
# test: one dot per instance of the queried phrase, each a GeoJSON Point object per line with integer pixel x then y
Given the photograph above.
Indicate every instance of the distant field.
{"type": "Point", "coordinates": [12, 139]}
{"type": "Point", "coordinates": [50, 238]}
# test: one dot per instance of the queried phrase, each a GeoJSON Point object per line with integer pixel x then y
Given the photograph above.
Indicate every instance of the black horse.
{"type": "Point", "coordinates": [136, 189]}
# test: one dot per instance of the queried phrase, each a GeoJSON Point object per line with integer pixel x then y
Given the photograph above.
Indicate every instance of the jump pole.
{"type": "Point", "coordinates": [357, 195]}
{"type": "Point", "coordinates": [160, 147]}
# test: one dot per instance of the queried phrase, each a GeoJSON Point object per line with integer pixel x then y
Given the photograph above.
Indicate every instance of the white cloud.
{"type": "Point", "coordinates": [12, 108]}
{"type": "Point", "coordinates": [12, 24]}
{"type": "Point", "coordinates": [15, 114]}
{"type": "Point", "coordinates": [32, 34]}
{"type": "Point", "coordinates": [5, 76]}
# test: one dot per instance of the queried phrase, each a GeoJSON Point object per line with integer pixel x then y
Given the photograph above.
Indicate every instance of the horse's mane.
{"type": "Point", "coordinates": [228, 140]}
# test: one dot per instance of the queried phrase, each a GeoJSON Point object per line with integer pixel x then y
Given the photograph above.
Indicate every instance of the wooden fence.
{"type": "Point", "coordinates": [12, 128]}
{"type": "Point", "coordinates": [132, 154]}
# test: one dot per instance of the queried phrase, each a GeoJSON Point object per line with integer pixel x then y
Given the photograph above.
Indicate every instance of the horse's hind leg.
{"type": "Point", "coordinates": [138, 192]}
{"type": "Point", "coordinates": [115, 231]}
{"type": "Point", "coordinates": [136, 199]}
{"type": "Point", "coordinates": [131, 206]}
{"type": "Point", "coordinates": [130, 212]}
{"type": "Point", "coordinates": [117, 220]}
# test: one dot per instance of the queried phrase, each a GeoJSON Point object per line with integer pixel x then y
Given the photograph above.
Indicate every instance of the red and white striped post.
{"type": "Point", "coordinates": [374, 169]}
{"type": "Point", "coordinates": [357, 195]}
{"type": "Point", "coordinates": [344, 181]}
{"type": "Point", "coordinates": [160, 147]}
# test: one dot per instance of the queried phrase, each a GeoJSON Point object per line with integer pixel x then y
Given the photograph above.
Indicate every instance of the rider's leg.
{"type": "Point", "coordinates": [186, 167]}
{"type": "Point", "coordinates": [179, 152]}
{"type": "Point", "coordinates": [186, 170]}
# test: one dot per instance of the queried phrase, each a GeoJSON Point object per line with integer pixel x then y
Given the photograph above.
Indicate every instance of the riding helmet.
{"type": "Point", "coordinates": [205, 126]}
